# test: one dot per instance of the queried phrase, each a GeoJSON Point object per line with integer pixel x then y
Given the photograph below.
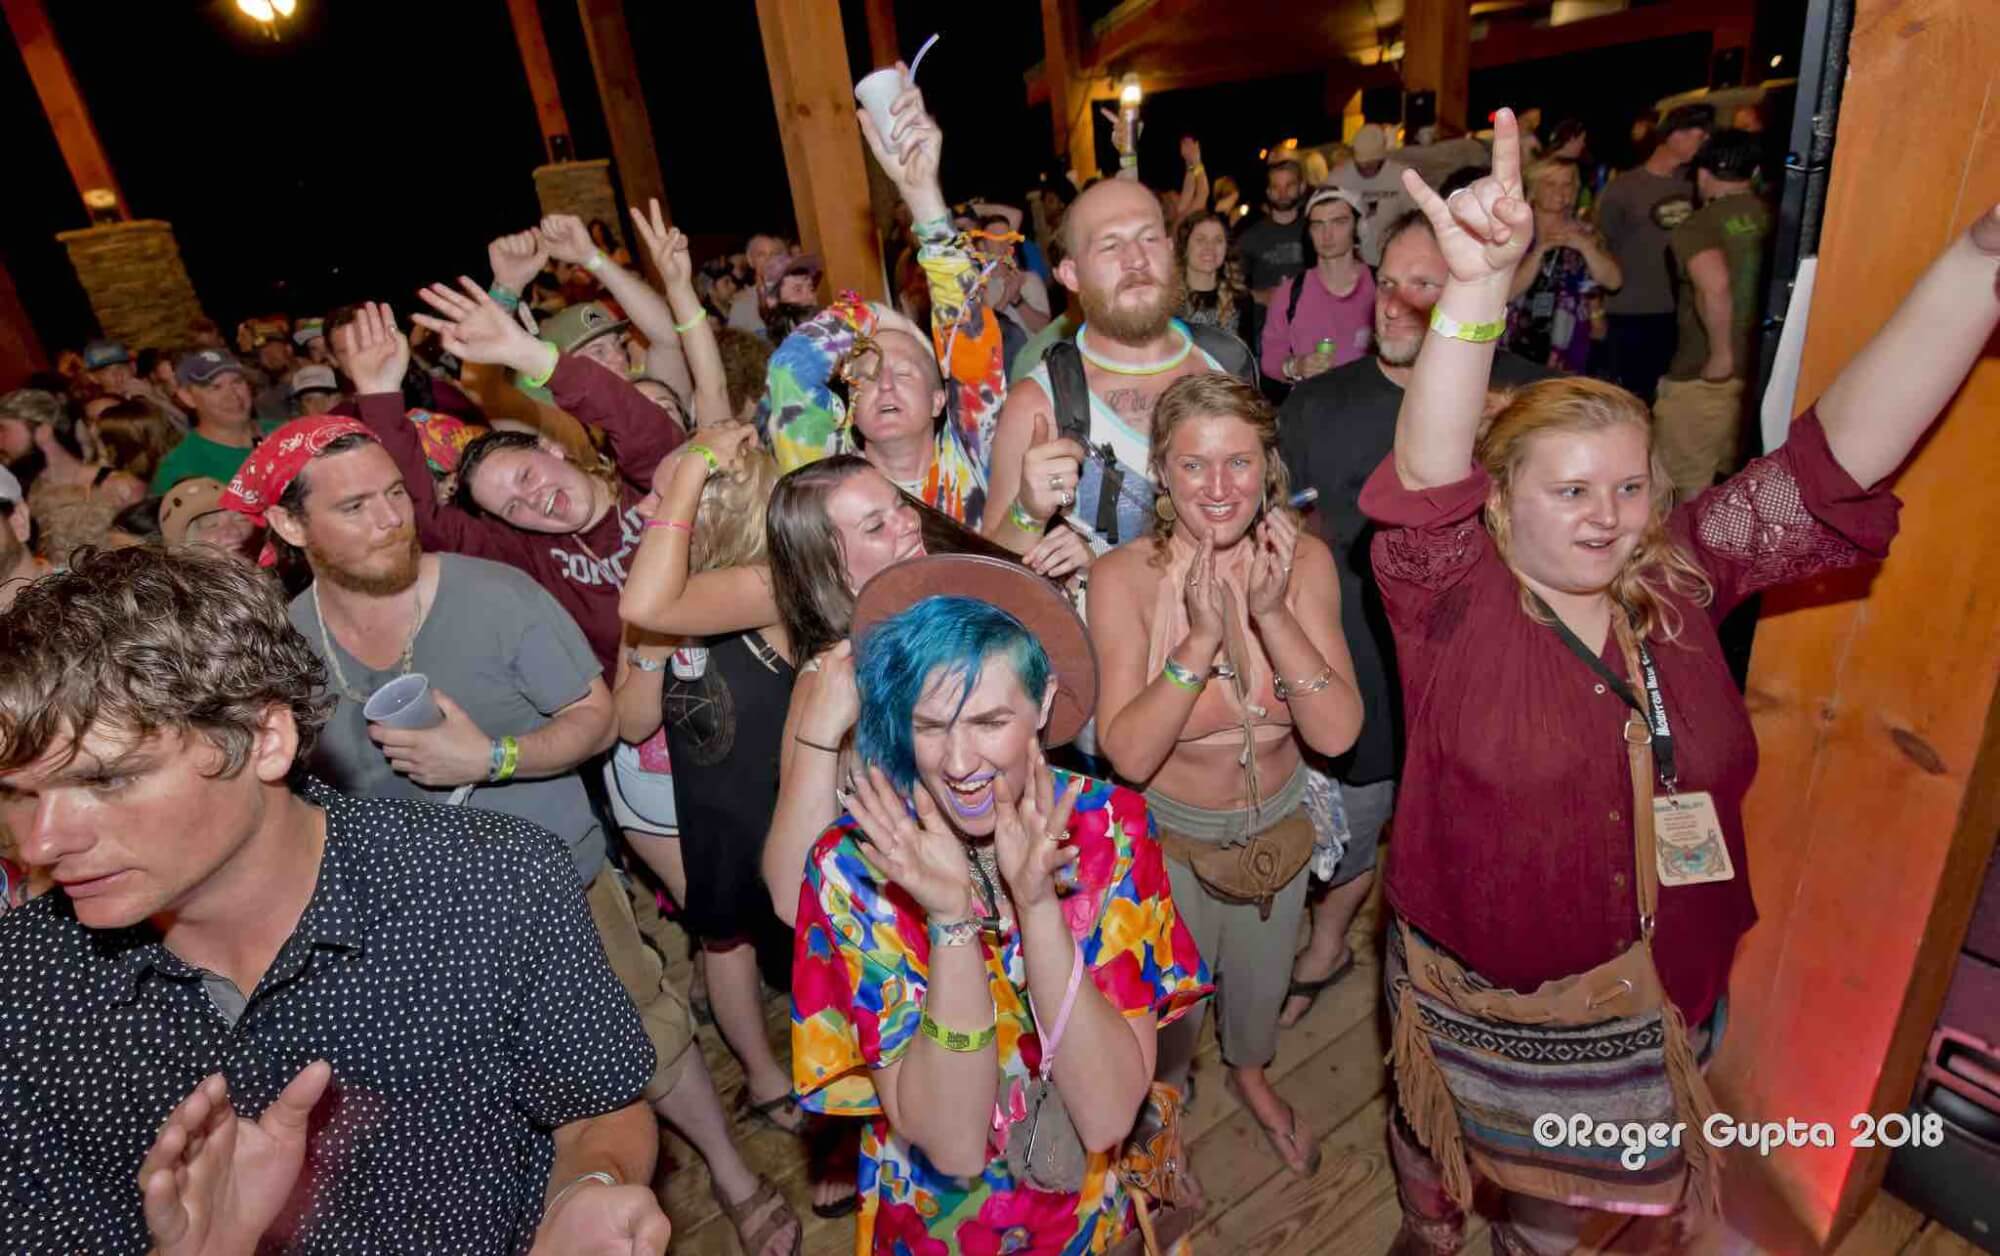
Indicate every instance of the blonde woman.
{"type": "Point", "coordinates": [1219, 637]}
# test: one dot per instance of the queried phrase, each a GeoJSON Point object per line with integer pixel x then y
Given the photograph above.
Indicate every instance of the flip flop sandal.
{"type": "Point", "coordinates": [767, 1111]}
{"type": "Point", "coordinates": [761, 1201]}
{"type": "Point", "coordinates": [1311, 990]}
{"type": "Point", "coordinates": [845, 1206]}
{"type": "Point", "coordinates": [833, 1155]}
{"type": "Point", "coordinates": [1279, 1141]}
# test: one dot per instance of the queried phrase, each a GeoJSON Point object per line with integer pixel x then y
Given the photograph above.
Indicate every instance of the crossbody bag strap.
{"type": "Point", "coordinates": [1639, 753]}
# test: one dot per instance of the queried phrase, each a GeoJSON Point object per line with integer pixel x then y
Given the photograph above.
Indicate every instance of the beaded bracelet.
{"type": "Point", "coordinates": [1184, 676]}
{"type": "Point", "coordinates": [958, 1040]}
{"type": "Point", "coordinates": [682, 329]}
{"type": "Point", "coordinates": [1025, 521]}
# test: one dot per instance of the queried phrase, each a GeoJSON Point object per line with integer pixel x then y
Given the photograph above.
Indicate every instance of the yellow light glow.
{"type": "Point", "coordinates": [1775, 60]}
{"type": "Point", "coordinates": [285, 8]}
{"type": "Point", "coordinates": [1129, 92]}
{"type": "Point", "coordinates": [1262, 153]}
{"type": "Point", "coordinates": [257, 10]}
{"type": "Point", "coordinates": [1292, 142]}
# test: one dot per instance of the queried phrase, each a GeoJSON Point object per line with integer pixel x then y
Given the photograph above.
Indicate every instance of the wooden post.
{"type": "Point", "coordinates": [1878, 797]}
{"type": "Point", "coordinates": [527, 18]}
{"type": "Point", "coordinates": [49, 70]}
{"type": "Point", "coordinates": [20, 348]}
{"type": "Point", "coordinates": [885, 46]}
{"type": "Point", "coordinates": [806, 50]}
{"type": "Point", "coordinates": [1437, 54]}
{"type": "Point", "coordinates": [1069, 95]}
{"type": "Point", "coordinates": [625, 114]}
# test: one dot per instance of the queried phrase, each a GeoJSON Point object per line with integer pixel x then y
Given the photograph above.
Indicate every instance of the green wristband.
{"type": "Point", "coordinates": [1472, 333]}
{"type": "Point", "coordinates": [541, 380]}
{"type": "Point", "coordinates": [958, 1040]}
{"type": "Point", "coordinates": [1184, 676]}
{"type": "Point", "coordinates": [1025, 521]}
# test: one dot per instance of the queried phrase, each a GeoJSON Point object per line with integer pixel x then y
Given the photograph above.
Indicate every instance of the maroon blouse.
{"type": "Point", "coordinates": [1512, 844]}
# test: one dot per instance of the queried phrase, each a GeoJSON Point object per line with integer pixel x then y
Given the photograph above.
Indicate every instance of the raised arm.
{"type": "Point", "coordinates": [569, 240]}
{"type": "Point", "coordinates": [661, 594]}
{"type": "Point", "coordinates": [1888, 394]}
{"type": "Point", "coordinates": [669, 248]}
{"type": "Point", "coordinates": [374, 353]}
{"type": "Point", "coordinates": [1483, 231]}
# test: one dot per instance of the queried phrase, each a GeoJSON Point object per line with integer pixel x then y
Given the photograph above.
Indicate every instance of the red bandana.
{"type": "Point", "coordinates": [277, 461]}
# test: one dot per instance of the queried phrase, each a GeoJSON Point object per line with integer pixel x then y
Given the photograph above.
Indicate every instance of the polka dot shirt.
{"type": "Point", "coordinates": [446, 966]}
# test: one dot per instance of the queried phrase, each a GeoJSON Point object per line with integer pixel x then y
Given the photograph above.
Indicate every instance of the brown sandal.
{"type": "Point", "coordinates": [766, 1202]}
{"type": "Point", "coordinates": [1278, 1141]}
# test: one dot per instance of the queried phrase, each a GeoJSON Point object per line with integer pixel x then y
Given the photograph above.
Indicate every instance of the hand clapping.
{"type": "Point", "coordinates": [922, 855]}
{"type": "Point", "coordinates": [1030, 838]}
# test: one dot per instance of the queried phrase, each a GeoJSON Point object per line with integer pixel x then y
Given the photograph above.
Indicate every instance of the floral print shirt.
{"type": "Point", "coordinates": [804, 420]}
{"type": "Point", "coordinates": [858, 984]}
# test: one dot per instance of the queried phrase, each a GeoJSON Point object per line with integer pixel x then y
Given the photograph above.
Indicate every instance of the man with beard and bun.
{"type": "Point", "coordinates": [1074, 433]}
{"type": "Point", "coordinates": [524, 706]}
{"type": "Point", "coordinates": [1334, 430]}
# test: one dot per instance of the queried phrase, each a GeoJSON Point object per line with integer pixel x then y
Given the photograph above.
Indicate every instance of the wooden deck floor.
{"type": "Point", "coordinates": [1329, 1067]}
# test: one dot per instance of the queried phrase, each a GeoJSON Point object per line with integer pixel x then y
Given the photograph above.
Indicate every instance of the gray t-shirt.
{"type": "Point", "coordinates": [1638, 213]}
{"type": "Point", "coordinates": [497, 644]}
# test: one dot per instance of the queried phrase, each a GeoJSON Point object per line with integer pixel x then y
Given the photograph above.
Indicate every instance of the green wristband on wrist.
{"type": "Point", "coordinates": [706, 455]}
{"type": "Point", "coordinates": [541, 380]}
{"type": "Point", "coordinates": [958, 1040]}
{"type": "Point", "coordinates": [1025, 521]}
{"type": "Point", "coordinates": [1180, 674]}
{"type": "Point", "coordinates": [1472, 333]}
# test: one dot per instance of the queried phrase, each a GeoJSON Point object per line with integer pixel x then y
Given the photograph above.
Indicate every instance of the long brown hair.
{"type": "Point", "coordinates": [1226, 294]}
{"type": "Point", "coordinates": [1657, 565]}
{"type": "Point", "coordinates": [1206, 396]}
{"type": "Point", "coordinates": [808, 568]}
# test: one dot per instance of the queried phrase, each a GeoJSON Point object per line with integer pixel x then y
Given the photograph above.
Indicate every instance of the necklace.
{"type": "Point", "coordinates": [333, 655]}
{"type": "Point", "coordinates": [1160, 367]}
{"type": "Point", "coordinates": [986, 870]}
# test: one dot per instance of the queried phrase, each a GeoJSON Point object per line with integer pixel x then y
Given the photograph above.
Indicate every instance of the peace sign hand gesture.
{"type": "Point", "coordinates": [922, 855]}
{"type": "Point", "coordinates": [1482, 230]}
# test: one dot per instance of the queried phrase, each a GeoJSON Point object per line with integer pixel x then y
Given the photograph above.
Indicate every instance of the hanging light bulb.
{"type": "Point", "coordinates": [257, 10]}
{"type": "Point", "coordinates": [285, 8]}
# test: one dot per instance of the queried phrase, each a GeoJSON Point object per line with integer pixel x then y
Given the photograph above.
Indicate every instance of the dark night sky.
{"type": "Point", "coordinates": [380, 144]}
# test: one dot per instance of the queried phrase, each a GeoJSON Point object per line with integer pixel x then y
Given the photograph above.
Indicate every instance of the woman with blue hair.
{"type": "Point", "coordinates": [948, 919]}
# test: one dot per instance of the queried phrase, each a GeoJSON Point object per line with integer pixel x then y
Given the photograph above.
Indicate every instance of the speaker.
{"type": "Point", "coordinates": [1956, 1177]}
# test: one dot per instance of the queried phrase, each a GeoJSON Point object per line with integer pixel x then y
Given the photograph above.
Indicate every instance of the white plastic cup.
{"type": "Point", "coordinates": [405, 702]}
{"type": "Point", "coordinates": [876, 93]}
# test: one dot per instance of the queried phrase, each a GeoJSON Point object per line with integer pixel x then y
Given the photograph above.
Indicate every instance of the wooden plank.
{"type": "Point", "coordinates": [1068, 94]}
{"type": "Point", "coordinates": [49, 70]}
{"type": "Point", "coordinates": [20, 348]}
{"type": "Point", "coordinates": [541, 70]}
{"type": "Point", "coordinates": [806, 51]}
{"type": "Point", "coordinates": [1936, 1240]}
{"type": "Point", "coordinates": [1437, 54]}
{"type": "Point", "coordinates": [1873, 696]}
{"type": "Point", "coordinates": [1887, 1226]}
{"type": "Point", "coordinates": [885, 46]}
{"type": "Point", "coordinates": [625, 116]}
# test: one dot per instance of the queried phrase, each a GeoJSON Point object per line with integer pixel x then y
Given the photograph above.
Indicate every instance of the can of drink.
{"type": "Point", "coordinates": [1325, 346]}
{"type": "Point", "coordinates": [690, 662]}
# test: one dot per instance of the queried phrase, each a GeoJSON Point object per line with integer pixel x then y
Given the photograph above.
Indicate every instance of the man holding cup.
{"type": "Point", "coordinates": [478, 683]}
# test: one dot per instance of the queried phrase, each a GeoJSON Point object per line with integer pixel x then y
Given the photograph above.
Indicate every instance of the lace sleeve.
{"type": "Point", "coordinates": [1788, 516]}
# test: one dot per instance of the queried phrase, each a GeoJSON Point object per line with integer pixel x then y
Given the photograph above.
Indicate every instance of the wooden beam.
{"type": "Point", "coordinates": [21, 353]}
{"type": "Point", "coordinates": [805, 48]}
{"type": "Point", "coordinates": [1875, 808]}
{"type": "Point", "coordinates": [632, 150]}
{"type": "Point", "coordinates": [1074, 134]}
{"type": "Point", "coordinates": [63, 103]}
{"type": "Point", "coordinates": [1437, 55]}
{"type": "Point", "coordinates": [1506, 43]}
{"type": "Point", "coordinates": [541, 69]}
{"type": "Point", "coordinates": [885, 46]}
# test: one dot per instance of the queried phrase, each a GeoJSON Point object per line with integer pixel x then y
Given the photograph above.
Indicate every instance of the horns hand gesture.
{"type": "Point", "coordinates": [1484, 229]}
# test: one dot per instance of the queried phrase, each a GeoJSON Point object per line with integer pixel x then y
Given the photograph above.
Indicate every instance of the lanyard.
{"type": "Point", "coordinates": [1655, 709]}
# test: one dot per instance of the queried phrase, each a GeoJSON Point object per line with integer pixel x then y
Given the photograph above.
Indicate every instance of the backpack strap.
{"type": "Point", "coordinates": [1292, 301]}
{"type": "Point", "coordinates": [1229, 352]}
{"type": "Point", "coordinates": [1072, 402]}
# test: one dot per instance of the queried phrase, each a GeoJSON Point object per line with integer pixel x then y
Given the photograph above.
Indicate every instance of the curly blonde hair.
{"type": "Point", "coordinates": [1657, 566]}
{"type": "Point", "coordinates": [1207, 396]}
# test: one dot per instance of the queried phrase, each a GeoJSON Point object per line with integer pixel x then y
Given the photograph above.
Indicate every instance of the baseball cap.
{"type": "Point", "coordinates": [314, 379]}
{"type": "Point", "coordinates": [100, 353]}
{"type": "Point", "coordinates": [1688, 118]}
{"type": "Point", "coordinates": [10, 488]}
{"type": "Point", "coordinates": [792, 264]}
{"type": "Point", "coordinates": [308, 329]}
{"type": "Point", "coordinates": [205, 365]}
{"type": "Point", "coordinates": [186, 502]}
{"type": "Point", "coordinates": [1370, 143]}
{"type": "Point", "coordinates": [578, 325]}
{"type": "Point", "coordinates": [1730, 155]}
{"type": "Point", "coordinates": [1322, 195]}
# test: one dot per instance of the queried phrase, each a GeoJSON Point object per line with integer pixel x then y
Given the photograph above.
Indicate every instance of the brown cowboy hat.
{"type": "Point", "coordinates": [1038, 604]}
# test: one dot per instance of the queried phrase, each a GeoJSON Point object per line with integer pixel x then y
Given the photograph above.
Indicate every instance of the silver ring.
{"type": "Point", "coordinates": [1068, 499]}
{"type": "Point", "coordinates": [1055, 482]}
{"type": "Point", "coordinates": [1455, 195]}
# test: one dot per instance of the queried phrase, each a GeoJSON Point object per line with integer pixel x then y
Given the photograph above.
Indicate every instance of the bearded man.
{"type": "Point", "coordinates": [1073, 435]}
